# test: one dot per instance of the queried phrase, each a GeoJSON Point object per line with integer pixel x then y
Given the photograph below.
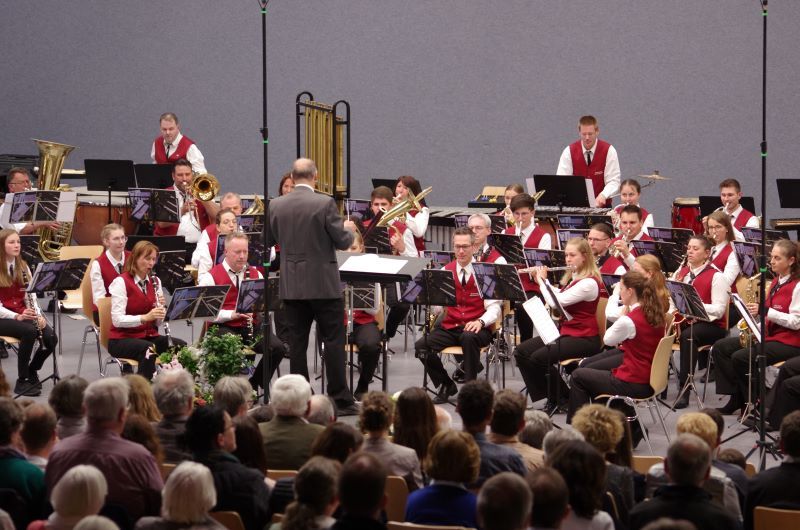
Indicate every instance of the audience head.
{"type": "Point", "coordinates": [11, 418]}
{"type": "Point", "coordinates": [38, 429]}
{"type": "Point", "coordinates": [622, 455]}
{"type": "Point", "coordinates": [377, 410]}
{"type": "Point", "coordinates": [537, 425]}
{"type": "Point", "coordinates": [600, 426]}
{"type": "Point", "coordinates": [699, 424]}
{"type": "Point", "coordinates": [557, 437]}
{"type": "Point", "coordinates": [550, 498]}
{"type": "Point", "coordinates": [504, 503]}
{"type": "Point", "coordinates": [249, 443]}
{"type": "Point", "coordinates": [140, 398]}
{"type": "Point", "coordinates": [262, 413]}
{"type": "Point", "coordinates": [234, 394]}
{"type": "Point", "coordinates": [415, 420]}
{"type": "Point", "coordinates": [106, 402]}
{"type": "Point", "coordinates": [790, 434]}
{"type": "Point", "coordinates": [80, 492]}
{"type": "Point", "coordinates": [453, 456]}
{"type": "Point", "coordinates": [322, 411]}
{"type": "Point", "coordinates": [584, 471]}
{"type": "Point", "coordinates": [189, 494]}
{"type": "Point", "coordinates": [291, 395]}
{"type": "Point", "coordinates": [688, 460]}
{"type": "Point", "coordinates": [338, 441]}
{"type": "Point", "coordinates": [362, 482]}
{"type": "Point", "coordinates": [66, 398]}
{"type": "Point", "coordinates": [719, 421]}
{"type": "Point", "coordinates": [508, 413]}
{"type": "Point", "coordinates": [314, 493]}
{"type": "Point", "coordinates": [732, 456]}
{"type": "Point", "coordinates": [96, 522]}
{"type": "Point", "coordinates": [208, 429]}
{"type": "Point", "coordinates": [474, 404]}
{"type": "Point", "coordinates": [665, 523]}
{"type": "Point", "coordinates": [174, 392]}
{"type": "Point", "coordinates": [140, 430]}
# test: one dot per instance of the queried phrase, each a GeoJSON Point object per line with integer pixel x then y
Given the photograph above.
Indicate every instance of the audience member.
{"type": "Point", "coordinates": [174, 394]}
{"type": "Point", "coordinates": [249, 444]}
{"type": "Point", "coordinates": [550, 498]}
{"type": "Point", "coordinates": [16, 473]}
{"type": "Point", "coordinates": [288, 436]}
{"type": "Point", "coordinates": [508, 418]}
{"type": "Point", "coordinates": [777, 487]}
{"type": "Point", "coordinates": [556, 437]}
{"type": "Point", "coordinates": [375, 419]}
{"type": "Point", "coordinates": [584, 471]}
{"type": "Point", "coordinates": [622, 454]}
{"type": "Point", "coordinates": [210, 436]}
{"type": "Point", "coordinates": [80, 492]}
{"type": "Point", "coordinates": [134, 480]}
{"type": "Point", "coordinates": [39, 433]}
{"type": "Point", "coordinates": [234, 394]}
{"type": "Point", "coordinates": [323, 410]}
{"type": "Point", "coordinates": [262, 413]}
{"type": "Point", "coordinates": [666, 523]}
{"type": "Point", "coordinates": [504, 503]}
{"type": "Point", "coordinates": [362, 485]}
{"type": "Point", "coordinates": [453, 462]}
{"type": "Point", "coordinates": [415, 420]}
{"type": "Point", "coordinates": [189, 495]}
{"type": "Point", "coordinates": [733, 456]}
{"type": "Point", "coordinates": [732, 471]}
{"type": "Point", "coordinates": [474, 405]}
{"type": "Point", "coordinates": [687, 466]}
{"type": "Point", "coordinates": [140, 430]}
{"type": "Point", "coordinates": [66, 398]}
{"type": "Point", "coordinates": [537, 425]}
{"type": "Point", "coordinates": [315, 496]}
{"type": "Point", "coordinates": [96, 522]}
{"type": "Point", "coordinates": [140, 398]}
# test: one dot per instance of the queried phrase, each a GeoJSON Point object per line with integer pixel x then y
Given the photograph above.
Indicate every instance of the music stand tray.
{"type": "Point", "coordinates": [562, 190]}
{"type": "Point", "coordinates": [709, 203]}
{"type": "Point", "coordinates": [355, 267]}
{"type": "Point", "coordinates": [109, 175]}
{"type": "Point", "coordinates": [498, 282]}
{"type": "Point", "coordinates": [201, 301]}
{"type": "Point", "coordinates": [687, 301]}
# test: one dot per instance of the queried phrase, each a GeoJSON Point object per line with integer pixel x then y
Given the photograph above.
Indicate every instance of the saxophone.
{"type": "Point", "coordinates": [750, 295]}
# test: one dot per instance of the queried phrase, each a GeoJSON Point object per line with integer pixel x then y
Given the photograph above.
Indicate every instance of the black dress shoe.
{"type": "Point", "coordinates": [752, 423]}
{"type": "Point", "coordinates": [460, 377]}
{"type": "Point", "coordinates": [348, 410]}
{"type": "Point", "coordinates": [732, 407]}
{"type": "Point", "coordinates": [683, 402]}
{"type": "Point", "coordinates": [445, 391]}
{"type": "Point", "coordinates": [33, 379]}
{"type": "Point", "coordinates": [23, 387]}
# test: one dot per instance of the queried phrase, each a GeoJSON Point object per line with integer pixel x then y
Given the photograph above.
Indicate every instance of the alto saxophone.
{"type": "Point", "coordinates": [32, 304]}
{"type": "Point", "coordinates": [750, 296]}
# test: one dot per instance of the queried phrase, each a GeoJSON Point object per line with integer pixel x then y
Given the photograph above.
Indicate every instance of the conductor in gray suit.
{"type": "Point", "coordinates": [309, 230]}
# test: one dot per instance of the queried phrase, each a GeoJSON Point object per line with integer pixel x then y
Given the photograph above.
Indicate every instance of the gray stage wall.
{"type": "Point", "coordinates": [457, 93]}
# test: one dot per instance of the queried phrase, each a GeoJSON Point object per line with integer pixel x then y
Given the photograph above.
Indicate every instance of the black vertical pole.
{"type": "Point", "coordinates": [265, 324]}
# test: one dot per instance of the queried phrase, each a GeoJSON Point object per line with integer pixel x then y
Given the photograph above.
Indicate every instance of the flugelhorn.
{"type": "Point", "coordinates": [406, 205]}
{"type": "Point", "coordinates": [204, 187]}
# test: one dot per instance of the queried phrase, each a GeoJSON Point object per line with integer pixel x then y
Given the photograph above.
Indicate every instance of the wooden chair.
{"type": "Point", "coordinates": [230, 520]}
{"type": "Point", "coordinates": [275, 474]}
{"type": "Point", "coordinates": [642, 464]}
{"type": "Point", "coordinates": [773, 518]}
{"type": "Point", "coordinates": [750, 470]}
{"type": "Point", "coordinates": [104, 312]}
{"type": "Point", "coordinates": [396, 495]}
{"type": "Point", "coordinates": [394, 525]}
{"type": "Point", "coordinates": [74, 299]}
{"type": "Point", "coordinates": [166, 469]}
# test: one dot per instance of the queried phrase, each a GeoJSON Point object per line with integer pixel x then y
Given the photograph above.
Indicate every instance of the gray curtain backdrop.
{"type": "Point", "coordinates": [457, 93]}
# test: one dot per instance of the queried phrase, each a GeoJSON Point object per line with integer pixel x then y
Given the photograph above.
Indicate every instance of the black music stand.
{"type": "Point", "coordinates": [688, 304]}
{"type": "Point", "coordinates": [154, 176]}
{"type": "Point", "coordinates": [789, 196]}
{"type": "Point", "coordinates": [29, 249]}
{"type": "Point", "coordinates": [582, 221]}
{"type": "Point", "coordinates": [201, 301]}
{"type": "Point", "coordinates": [356, 208]}
{"type": "Point", "coordinates": [564, 235]}
{"type": "Point", "coordinates": [539, 257]}
{"type": "Point", "coordinates": [610, 281]}
{"type": "Point", "coordinates": [389, 183]}
{"type": "Point", "coordinates": [510, 247]}
{"type": "Point", "coordinates": [378, 237]}
{"type": "Point", "coordinates": [164, 206]}
{"type": "Point", "coordinates": [170, 267]}
{"type": "Point", "coordinates": [257, 255]}
{"type": "Point", "coordinates": [668, 253]}
{"type": "Point", "coordinates": [251, 222]}
{"type": "Point", "coordinates": [252, 299]}
{"type": "Point", "coordinates": [439, 258]}
{"type": "Point", "coordinates": [562, 190]}
{"type": "Point", "coordinates": [755, 234]}
{"type": "Point", "coordinates": [498, 223]}
{"type": "Point", "coordinates": [679, 236]}
{"type": "Point", "coordinates": [748, 255]}
{"type": "Point", "coordinates": [711, 203]}
{"type": "Point", "coordinates": [108, 176]}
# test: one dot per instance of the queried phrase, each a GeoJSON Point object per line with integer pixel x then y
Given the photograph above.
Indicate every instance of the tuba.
{"type": "Point", "coordinates": [204, 187]}
{"type": "Point", "coordinates": [257, 208]}
{"type": "Point", "coordinates": [51, 161]}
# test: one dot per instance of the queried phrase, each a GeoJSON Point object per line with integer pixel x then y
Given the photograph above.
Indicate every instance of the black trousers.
{"type": "Point", "coordinates": [439, 339]}
{"type": "Point", "coordinates": [26, 332]}
{"type": "Point", "coordinates": [734, 363]}
{"type": "Point", "coordinates": [692, 337]}
{"type": "Point", "coordinates": [328, 313]}
{"type": "Point", "coordinates": [586, 383]}
{"type": "Point", "coordinates": [277, 351]}
{"type": "Point", "coordinates": [535, 361]}
{"type": "Point", "coordinates": [367, 337]}
{"type": "Point", "coordinates": [136, 349]}
{"type": "Point", "coordinates": [785, 394]}
{"type": "Point", "coordinates": [281, 325]}
{"type": "Point", "coordinates": [605, 360]}
{"type": "Point", "coordinates": [396, 315]}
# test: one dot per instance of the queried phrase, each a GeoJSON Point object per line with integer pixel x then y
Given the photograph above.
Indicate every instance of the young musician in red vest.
{"type": "Point", "coordinates": [512, 190]}
{"type": "Point", "coordinates": [137, 308]}
{"type": "Point", "coordinates": [416, 220]}
{"type": "Point", "coordinates": [711, 286]}
{"type": "Point", "coordinates": [730, 193]}
{"type": "Point", "coordinates": [481, 227]}
{"type": "Point", "coordinates": [782, 334]}
{"type": "Point", "coordinates": [630, 224]}
{"type": "Point", "coordinates": [469, 324]}
{"type": "Point", "coordinates": [171, 146]}
{"type": "Point", "coordinates": [592, 158]}
{"type": "Point", "coordinates": [580, 337]}
{"type": "Point", "coordinates": [205, 254]}
{"type": "Point", "coordinates": [599, 237]}
{"type": "Point", "coordinates": [20, 321]}
{"type": "Point", "coordinates": [723, 255]}
{"type": "Point", "coordinates": [232, 271]}
{"type": "Point", "coordinates": [532, 236]}
{"type": "Point", "coordinates": [108, 265]}
{"type": "Point", "coordinates": [635, 336]}
{"type": "Point", "coordinates": [630, 193]}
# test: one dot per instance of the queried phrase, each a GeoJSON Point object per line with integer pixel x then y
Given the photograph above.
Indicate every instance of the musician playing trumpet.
{"type": "Point", "coordinates": [631, 229]}
{"type": "Point", "coordinates": [511, 191]}
{"type": "Point", "coordinates": [630, 193]}
{"type": "Point", "coordinates": [20, 317]}
{"type": "Point", "coordinates": [734, 363]}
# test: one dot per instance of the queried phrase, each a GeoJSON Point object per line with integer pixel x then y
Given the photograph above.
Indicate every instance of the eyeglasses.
{"type": "Point", "coordinates": [597, 239]}
{"type": "Point", "coordinates": [462, 247]}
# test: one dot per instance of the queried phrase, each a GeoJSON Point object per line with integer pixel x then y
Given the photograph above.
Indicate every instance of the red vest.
{"type": "Point", "coordinates": [608, 264]}
{"type": "Point", "coordinates": [533, 241]}
{"type": "Point", "coordinates": [703, 282]}
{"type": "Point", "coordinates": [138, 304]}
{"type": "Point", "coordinates": [360, 317]}
{"type": "Point", "coordinates": [175, 154]}
{"type": "Point", "coordinates": [638, 352]}
{"type": "Point", "coordinates": [172, 229]}
{"type": "Point", "coordinates": [13, 297]}
{"type": "Point", "coordinates": [213, 236]}
{"type": "Point", "coordinates": [221, 277]}
{"type": "Point", "coordinates": [108, 271]}
{"type": "Point", "coordinates": [584, 317]}
{"type": "Point", "coordinates": [419, 242]}
{"type": "Point", "coordinates": [780, 300]}
{"type": "Point", "coordinates": [742, 219]}
{"type": "Point", "coordinates": [596, 171]}
{"type": "Point", "coordinates": [469, 305]}
{"type": "Point", "coordinates": [721, 259]}
{"type": "Point", "coordinates": [490, 256]}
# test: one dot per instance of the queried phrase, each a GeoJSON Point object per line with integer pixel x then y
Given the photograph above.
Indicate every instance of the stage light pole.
{"type": "Point", "coordinates": [265, 324]}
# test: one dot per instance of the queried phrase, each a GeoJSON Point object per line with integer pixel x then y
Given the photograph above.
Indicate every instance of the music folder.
{"type": "Point", "coordinates": [687, 301]}
{"type": "Point", "coordinates": [63, 275]}
{"type": "Point", "coordinates": [498, 282]}
{"type": "Point", "coordinates": [498, 223]}
{"type": "Point", "coordinates": [200, 301]}
{"type": "Point", "coordinates": [34, 206]}
{"type": "Point", "coordinates": [251, 295]}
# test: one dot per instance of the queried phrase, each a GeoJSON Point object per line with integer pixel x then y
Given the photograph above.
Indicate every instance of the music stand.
{"type": "Point", "coordinates": [668, 253]}
{"type": "Point", "coordinates": [251, 222]}
{"type": "Point", "coordinates": [510, 247]}
{"type": "Point", "coordinates": [679, 236]}
{"type": "Point", "coordinates": [257, 254]}
{"type": "Point", "coordinates": [748, 256]}
{"type": "Point", "coordinates": [582, 221]}
{"type": "Point", "coordinates": [389, 183]}
{"type": "Point", "coordinates": [164, 206]}
{"type": "Point", "coordinates": [29, 249]}
{"type": "Point", "coordinates": [39, 206]}
{"type": "Point", "coordinates": [154, 176]}
{"type": "Point", "coordinates": [498, 223]}
{"type": "Point", "coordinates": [564, 235]}
{"type": "Point", "coordinates": [200, 301]}
{"type": "Point", "coordinates": [439, 258]}
{"type": "Point", "coordinates": [755, 234]}
{"type": "Point", "coordinates": [141, 200]}
{"type": "Point", "coordinates": [108, 176]}
{"type": "Point", "coordinates": [609, 281]}
{"type": "Point", "coordinates": [562, 190]}
{"type": "Point", "coordinates": [356, 208]}
{"type": "Point", "coordinates": [378, 237]}
{"type": "Point", "coordinates": [171, 268]}
{"type": "Point", "coordinates": [711, 203]}
{"type": "Point", "coordinates": [539, 257]}
{"type": "Point", "coordinates": [251, 297]}
{"type": "Point", "coordinates": [461, 220]}
{"type": "Point", "coordinates": [689, 304]}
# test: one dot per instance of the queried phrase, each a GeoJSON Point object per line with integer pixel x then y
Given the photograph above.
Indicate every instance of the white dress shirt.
{"type": "Point", "coordinates": [492, 308]}
{"type": "Point", "coordinates": [119, 303]}
{"type": "Point", "coordinates": [584, 290]}
{"type": "Point", "coordinates": [623, 329]}
{"type": "Point", "coordinates": [96, 276]}
{"type": "Point", "coordinates": [611, 172]}
{"type": "Point", "coordinates": [189, 226]}
{"type": "Point", "coordinates": [11, 226]}
{"type": "Point", "coordinates": [791, 319]}
{"type": "Point", "coordinates": [546, 243]}
{"type": "Point", "coordinates": [732, 269]}
{"type": "Point", "coordinates": [4, 311]}
{"type": "Point", "coordinates": [753, 222]}
{"type": "Point", "coordinates": [206, 279]}
{"type": "Point", "coordinates": [193, 154]}
{"type": "Point", "coordinates": [719, 292]}
{"type": "Point", "coordinates": [418, 224]}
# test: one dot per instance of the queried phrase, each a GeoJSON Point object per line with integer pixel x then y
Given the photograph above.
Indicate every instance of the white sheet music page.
{"type": "Point", "coordinates": [541, 320]}
{"type": "Point", "coordinates": [372, 263]}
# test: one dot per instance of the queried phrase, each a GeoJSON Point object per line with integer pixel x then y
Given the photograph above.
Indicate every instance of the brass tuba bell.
{"type": "Point", "coordinates": [204, 187]}
{"type": "Point", "coordinates": [51, 161]}
{"type": "Point", "coordinates": [257, 208]}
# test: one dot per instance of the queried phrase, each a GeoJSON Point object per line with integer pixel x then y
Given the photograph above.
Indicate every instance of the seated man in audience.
{"type": "Point", "coordinates": [66, 398]}
{"type": "Point", "coordinates": [362, 497]}
{"type": "Point", "coordinates": [134, 479]}
{"type": "Point", "coordinates": [39, 433]}
{"type": "Point", "coordinates": [732, 471]}
{"type": "Point", "coordinates": [687, 466]}
{"type": "Point", "coordinates": [504, 503]}
{"type": "Point", "coordinates": [718, 485]}
{"type": "Point", "coordinates": [234, 394]}
{"type": "Point", "coordinates": [475, 401]}
{"type": "Point", "coordinates": [777, 487]}
{"type": "Point", "coordinates": [174, 394]}
{"type": "Point", "coordinates": [16, 473]}
{"type": "Point", "coordinates": [288, 436]}
{"type": "Point", "coordinates": [550, 498]}
{"type": "Point", "coordinates": [323, 410]}
{"type": "Point", "coordinates": [508, 418]}
{"type": "Point", "coordinates": [537, 425]}
{"type": "Point", "coordinates": [210, 435]}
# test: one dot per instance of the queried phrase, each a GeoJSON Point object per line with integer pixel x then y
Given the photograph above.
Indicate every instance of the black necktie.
{"type": "Point", "coordinates": [119, 268]}
{"type": "Point", "coordinates": [143, 286]}
{"type": "Point", "coordinates": [236, 279]}
{"type": "Point", "coordinates": [167, 148]}
{"type": "Point", "coordinates": [463, 277]}
{"type": "Point", "coordinates": [11, 270]}
{"type": "Point", "coordinates": [588, 158]}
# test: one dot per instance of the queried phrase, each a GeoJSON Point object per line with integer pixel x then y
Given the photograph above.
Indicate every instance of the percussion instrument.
{"type": "Point", "coordinates": [686, 214]}
{"type": "Point", "coordinates": [92, 215]}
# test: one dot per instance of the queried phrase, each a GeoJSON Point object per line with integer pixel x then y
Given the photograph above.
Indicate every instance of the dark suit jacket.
{"type": "Point", "coordinates": [775, 487]}
{"type": "Point", "coordinates": [309, 230]}
{"type": "Point", "coordinates": [682, 502]}
{"type": "Point", "coordinates": [287, 441]}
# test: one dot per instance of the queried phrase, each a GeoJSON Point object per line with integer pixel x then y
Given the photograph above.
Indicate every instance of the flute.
{"type": "Point", "coordinates": [549, 269]}
{"type": "Point", "coordinates": [158, 305]}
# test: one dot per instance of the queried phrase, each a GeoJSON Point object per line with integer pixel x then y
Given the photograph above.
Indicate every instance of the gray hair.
{"type": "Point", "coordinates": [189, 480]}
{"type": "Point", "coordinates": [80, 492]}
{"type": "Point", "coordinates": [323, 410]}
{"type": "Point", "coordinates": [173, 390]}
{"type": "Point", "coordinates": [96, 522]}
{"type": "Point", "coordinates": [537, 425]}
{"type": "Point", "coordinates": [290, 395]}
{"type": "Point", "coordinates": [487, 222]}
{"type": "Point", "coordinates": [105, 398]}
{"type": "Point", "coordinates": [304, 169]}
{"type": "Point", "coordinates": [688, 460]}
{"type": "Point", "coordinates": [231, 393]}
{"type": "Point", "coordinates": [231, 194]}
{"type": "Point", "coordinates": [556, 437]}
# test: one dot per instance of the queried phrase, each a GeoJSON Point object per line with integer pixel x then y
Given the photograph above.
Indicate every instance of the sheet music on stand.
{"type": "Point", "coordinates": [164, 206]}
{"type": "Point", "coordinates": [365, 295]}
{"type": "Point", "coordinates": [251, 222]}
{"type": "Point", "coordinates": [461, 220]}
{"type": "Point", "coordinates": [510, 247]}
{"type": "Point", "coordinates": [255, 244]}
{"type": "Point", "coordinates": [687, 301]}
{"type": "Point", "coordinates": [439, 258]}
{"type": "Point", "coordinates": [542, 321]}
{"type": "Point", "coordinates": [754, 234]}
{"type": "Point", "coordinates": [200, 301]}
{"type": "Point", "coordinates": [431, 287]}
{"type": "Point", "coordinates": [550, 297]}
{"type": "Point", "coordinates": [171, 269]}
{"type": "Point", "coordinates": [378, 236]}
{"type": "Point", "coordinates": [29, 249]}
{"type": "Point", "coordinates": [609, 281]}
{"type": "Point", "coordinates": [582, 221]}
{"type": "Point", "coordinates": [498, 223]}
{"type": "Point", "coordinates": [668, 253]}
{"type": "Point", "coordinates": [34, 206]}
{"type": "Point", "coordinates": [679, 236]}
{"type": "Point", "coordinates": [498, 282]}
{"type": "Point", "coordinates": [63, 275]}
{"type": "Point", "coordinates": [564, 235]}
{"type": "Point", "coordinates": [356, 208]}
{"type": "Point", "coordinates": [749, 256]}
{"type": "Point", "coordinates": [141, 203]}
{"type": "Point", "coordinates": [220, 251]}
{"type": "Point", "coordinates": [251, 296]}
{"type": "Point", "coordinates": [539, 257]}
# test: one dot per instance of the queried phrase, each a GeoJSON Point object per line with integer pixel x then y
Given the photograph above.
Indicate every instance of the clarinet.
{"type": "Point", "coordinates": [157, 305]}
{"type": "Point", "coordinates": [32, 304]}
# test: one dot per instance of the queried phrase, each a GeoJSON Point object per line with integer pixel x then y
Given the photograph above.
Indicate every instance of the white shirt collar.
{"type": "Point", "coordinates": [735, 213]}
{"type": "Point", "coordinates": [468, 268]}
{"type": "Point", "coordinates": [174, 143]}
{"type": "Point", "coordinates": [113, 261]}
{"type": "Point", "coordinates": [304, 185]}
{"type": "Point", "coordinates": [526, 233]}
{"type": "Point", "coordinates": [230, 270]}
{"type": "Point", "coordinates": [699, 269]}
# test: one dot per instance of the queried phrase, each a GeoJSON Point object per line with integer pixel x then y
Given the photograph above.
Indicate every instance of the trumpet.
{"type": "Point", "coordinates": [158, 305]}
{"type": "Point", "coordinates": [625, 239]}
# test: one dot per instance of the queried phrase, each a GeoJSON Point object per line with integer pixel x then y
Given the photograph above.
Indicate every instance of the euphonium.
{"type": "Point", "coordinates": [204, 187]}
{"type": "Point", "coordinates": [750, 295]}
{"type": "Point", "coordinates": [51, 161]}
{"type": "Point", "coordinates": [257, 208]}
